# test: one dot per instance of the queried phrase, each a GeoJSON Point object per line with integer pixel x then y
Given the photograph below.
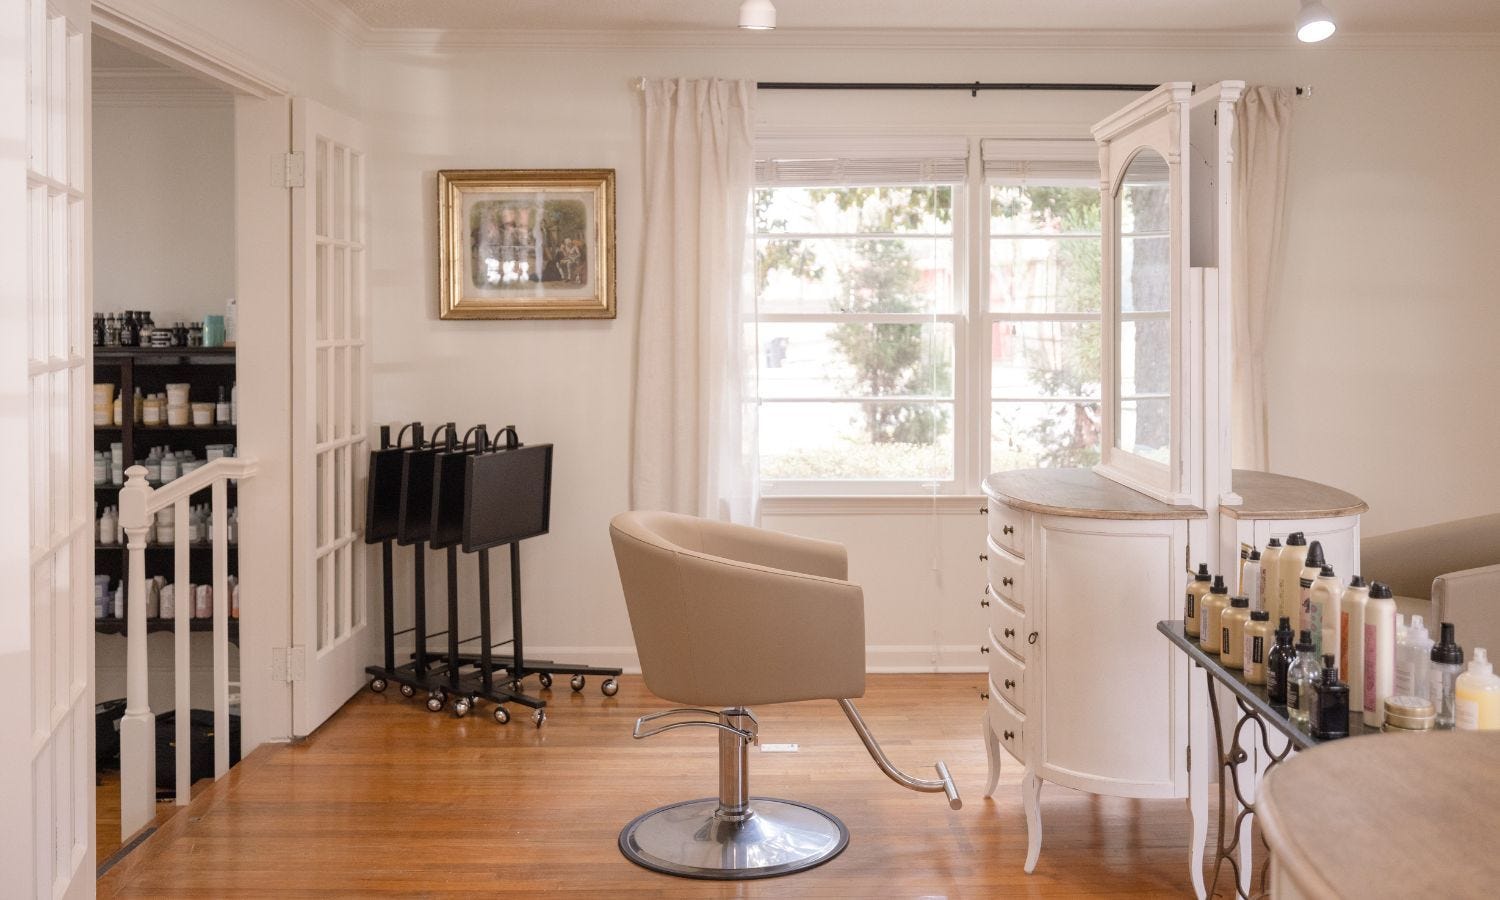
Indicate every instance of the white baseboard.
{"type": "Point", "coordinates": [879, 659]}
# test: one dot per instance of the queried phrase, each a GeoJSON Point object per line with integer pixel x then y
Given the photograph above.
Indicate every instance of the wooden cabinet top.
{"type": "Point", "coordinates": [1083, 493]}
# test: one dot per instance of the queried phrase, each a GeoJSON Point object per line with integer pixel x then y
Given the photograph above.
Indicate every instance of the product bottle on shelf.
{"type": "Point", "coordinates": [1250, 580]}
{"type": "Point", "coordinates": [1196, 591]}
{"type": "Point", "coordinates": [1323, 611]}
{"type": "Point", "coordinates": [221, 408]}
{"type": "Point", "coordinates": [1210, 638]}
{"type": "Point", "coordinates": [1257, 642]}
{"type": "Point", "coordinates": [1279, 663]}
{"type": "Point", "coordinates": [1301, 677]}
{"type": "Point", "coordinates": [1476, 696]}
{"type": "Point", "coordinates": [1378, 666]}
{"type": "Point", "coordinates": [1331, 716]}
{"type": "Point", "coordinates": [1288, 577]}
{"type": "Point", "coordinates": [1232, 628]}
{"type": "Point", "coordinates": [1413, 659]}
{"type": "Point", "coordinates": [1351, 633]}
{"type": "Point", "coordinates": [1307, 576]}
{"type": "Point", "coordinates": [1447, 664]}
{"type": "Point", "coordinates": [1239, 572]}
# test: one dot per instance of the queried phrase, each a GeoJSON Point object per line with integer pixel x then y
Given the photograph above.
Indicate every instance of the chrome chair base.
{"type": "Point", "coordinates": [691, 840]}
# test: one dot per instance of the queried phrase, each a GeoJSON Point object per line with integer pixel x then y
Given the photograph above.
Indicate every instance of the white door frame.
{"type": "Point", "coordinates": [262, 136]}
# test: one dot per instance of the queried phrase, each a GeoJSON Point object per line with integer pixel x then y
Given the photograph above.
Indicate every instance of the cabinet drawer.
{"type": "Point", "coordinates": [1006, 672]}
{"type": "Point", "coordinates": [1007, 627]}
{"type": "Point", "coordinates": [1005, 571]}
{"type": "Point", "coordinates": [1008, 527]}
{"type": "Point", "coordinates": [1008, 723]}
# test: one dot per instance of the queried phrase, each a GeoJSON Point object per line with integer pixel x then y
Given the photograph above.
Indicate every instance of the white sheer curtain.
{"type": "Point", "coordinates": [694, 447]}
{"type": "Point", "coordinates": [1261, 153]}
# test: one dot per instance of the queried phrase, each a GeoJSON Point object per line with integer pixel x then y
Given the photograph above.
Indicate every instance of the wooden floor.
{"type": "Point", "coordinates": [387, 799]}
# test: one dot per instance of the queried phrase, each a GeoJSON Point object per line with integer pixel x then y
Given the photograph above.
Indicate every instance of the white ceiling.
{"type": "Point", "coordinates": [1353, 16]}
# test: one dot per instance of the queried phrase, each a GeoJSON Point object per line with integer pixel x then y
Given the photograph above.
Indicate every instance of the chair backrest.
{"type": "Point", "coordinates": [725, 615]}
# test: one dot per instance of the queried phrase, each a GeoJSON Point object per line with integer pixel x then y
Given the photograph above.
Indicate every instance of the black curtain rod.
{"type": "Point", "coordinates": [972, 87]}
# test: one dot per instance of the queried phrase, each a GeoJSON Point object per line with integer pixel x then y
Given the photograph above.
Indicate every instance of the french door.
{"type": "Point", "coordinates": [46, 628]}
{"type": "Point", "coordinates": [331, 630]}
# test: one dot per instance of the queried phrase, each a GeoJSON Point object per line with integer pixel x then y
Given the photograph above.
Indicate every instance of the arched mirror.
{"type": "Point", "coordinates": [1143, 306]}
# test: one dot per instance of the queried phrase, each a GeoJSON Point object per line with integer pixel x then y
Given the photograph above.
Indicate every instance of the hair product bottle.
{"type": "Point", "coordinates": [1307, 576]}
{"type": "Point", "coordinates": [1197, 590]}
{"type": "Point", "coordinates": [1279, 663]}
{"type": "Point", "coordinates": [1413, 660]}
{"type": "Point", "coordinates": [1300, 679]}
{"type": "Point", "coordinates": [1250, 580]}
{"type": "Point", "coordinates": [1447, 664]}
{"type": "Point", "coordinates": [1257, 644]}
{"type": "Point", "coordinates": [1232, 626]}
{"type": "Point", "coordinates": [1331, 719]}
{"type": "Point", "coordinates": [1270, 585]}
{"type": "Point", "coordinates": [1323, 611]}
{"type": "Point", "coordinates": [1476, 696]}
{"type": "Point", "coordinates": [1378, 666]}
{"type": "Point", "coordinates": [1289, 578]}
{"type": "Point", "coordinates": [1351, 634]}
{"type": "Point", "coordinates": [1239, 573]}
{"type": "Point", "coordinates": [1211, 640]}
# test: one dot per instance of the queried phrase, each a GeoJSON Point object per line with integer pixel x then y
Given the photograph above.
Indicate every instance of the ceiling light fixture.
{"type": "Point", "coordinates": [1314, 22]}
{"type": "Point", "coordinates": [757, 15]}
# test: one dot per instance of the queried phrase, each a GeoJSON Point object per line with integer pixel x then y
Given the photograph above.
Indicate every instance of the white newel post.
{"type": "Point", "coordinates": [138, 727]}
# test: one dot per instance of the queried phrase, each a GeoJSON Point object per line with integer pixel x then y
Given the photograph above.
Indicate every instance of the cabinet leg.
{"type": "Point", "coordinates": [1031, 799]}
{"type": "Point", "coordinates": [1204, 753]}
{"type": "Point", "coordinates": [992, 750]}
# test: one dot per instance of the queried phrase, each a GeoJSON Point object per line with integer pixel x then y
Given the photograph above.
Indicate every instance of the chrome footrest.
{"type": "Point", "coordinates": [709, 718]}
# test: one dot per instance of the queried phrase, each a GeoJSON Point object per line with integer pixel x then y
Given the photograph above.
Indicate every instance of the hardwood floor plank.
{"type": "Point", "coordinates": [387, 799]}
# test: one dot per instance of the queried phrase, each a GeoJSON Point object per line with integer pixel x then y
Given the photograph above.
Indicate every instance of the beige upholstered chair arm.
{"type": "Point", "coordinates": [1471, 601]}
{"type": "Point", "coordinates": [774, 549]}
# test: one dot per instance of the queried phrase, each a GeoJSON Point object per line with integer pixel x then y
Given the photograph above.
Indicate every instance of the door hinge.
{"type": "Point", "coordinates": [289, 170]}
{"type": "Point", "coordinates": [1190, 759]}
{"type": "Point", "coordinates": [288, 664]}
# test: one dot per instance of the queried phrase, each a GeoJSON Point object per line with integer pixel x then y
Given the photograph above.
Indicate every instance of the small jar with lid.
{"type": "Point", "coordinates": [1409, 714]}
{"type": "Point", "coordinates": [1232, 632]}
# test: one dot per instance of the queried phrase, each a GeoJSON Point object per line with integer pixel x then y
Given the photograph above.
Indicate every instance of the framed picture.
{"type": "Point", "coordinates": [526, 243]}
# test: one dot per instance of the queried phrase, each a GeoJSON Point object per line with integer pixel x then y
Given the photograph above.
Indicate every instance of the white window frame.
{"type": "Point", "coordinates": [972, 322]}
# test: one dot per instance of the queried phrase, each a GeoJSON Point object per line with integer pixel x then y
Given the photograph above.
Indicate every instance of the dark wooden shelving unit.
{"type": "Point", "coordinates": [151, 368]}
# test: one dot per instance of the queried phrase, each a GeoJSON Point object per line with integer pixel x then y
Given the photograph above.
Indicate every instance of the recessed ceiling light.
{"type": "Point", "coordinates": [1314, 22]}
{"type": "Point", "coordinates": [757, 15]}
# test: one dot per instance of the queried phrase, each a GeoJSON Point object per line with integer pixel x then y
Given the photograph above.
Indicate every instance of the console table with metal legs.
{"type": "Point", "coordinates": [1251, 736]}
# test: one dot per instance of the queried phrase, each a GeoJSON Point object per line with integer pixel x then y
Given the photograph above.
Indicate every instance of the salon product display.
{"type": "Point", "coordinates": [162, 529]}
{"type": "Point", "coordinates": [137, 328]}
{"type": "Point", "coordinates": [162, 598]}
{"type": "Point", "coordinates": [1197, 590]}
{"type": "Point", "coordinates": [171, 408]}
{"type": "Point", "coordinates": [162, 464]}
{"type": "Point", "coordinates": [1476, 696]}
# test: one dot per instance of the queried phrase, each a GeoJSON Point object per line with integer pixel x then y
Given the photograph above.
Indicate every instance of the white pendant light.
{"type": "Point", "coordinates": [757, 15]}
{"type": "Point", "coordinates": [1314, 22]}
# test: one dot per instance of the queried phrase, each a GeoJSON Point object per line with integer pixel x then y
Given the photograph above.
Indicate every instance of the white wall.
{"type": "Point", "coordinates": [1382, 337]}
{"type": "Point", "coordinates": [163, 208]}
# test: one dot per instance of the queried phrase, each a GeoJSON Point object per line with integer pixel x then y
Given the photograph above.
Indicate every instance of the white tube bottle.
{"type": "Point", "coordinates": [1351, 634]}
{"type": "Point", "coordinates": [1250, 581]}
{"type": "Point", "coordinates": [1379, 663]}
{"type": "Point", "coordinates": [1413, 661]}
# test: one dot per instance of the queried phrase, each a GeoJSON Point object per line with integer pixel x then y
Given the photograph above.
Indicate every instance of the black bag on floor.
{"type": "Point", "coordinates": [201, 730]}
{"type": "Point", "coordinates": [107, 716]}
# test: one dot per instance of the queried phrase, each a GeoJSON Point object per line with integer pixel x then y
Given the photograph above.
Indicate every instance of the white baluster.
{"type": "Point", "coordinates": [220, 534]}
{"type": "Point", "coordinates": [138, 727]}
{"type": "Point", "coordinates": [182, 636]}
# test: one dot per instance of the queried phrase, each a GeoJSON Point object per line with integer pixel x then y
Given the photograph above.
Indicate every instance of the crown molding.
{"type": "Point", "coordinates": [880, 39]}
{"type": "Point", "coordinates": [154, 87]}
{"type": "Point", "coordinates": [166, 38]}
{"type": "Point", "coordinates": [339, 18]}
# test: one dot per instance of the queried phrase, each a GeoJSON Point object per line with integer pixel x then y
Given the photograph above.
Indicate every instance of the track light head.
{"type": "Point", "coordinates": [1314, 22]}
{"type": "Point", "coordinates": [757, 15]}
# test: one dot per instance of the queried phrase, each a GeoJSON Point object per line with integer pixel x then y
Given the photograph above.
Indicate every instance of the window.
{"type": "Point", "coordinates": [872, 327]}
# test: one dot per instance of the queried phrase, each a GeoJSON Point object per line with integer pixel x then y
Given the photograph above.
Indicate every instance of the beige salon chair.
{"type": "Point", "coordinates": [728, 617]}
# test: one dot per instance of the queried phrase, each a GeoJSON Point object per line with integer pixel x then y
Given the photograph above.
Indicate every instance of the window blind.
{"type": "Point", "coordinates": [832, 162]}
{"type": "Point", "coordinates": [1030, 161]}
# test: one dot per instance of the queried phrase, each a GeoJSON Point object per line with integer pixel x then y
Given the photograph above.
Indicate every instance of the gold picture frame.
{"type": "Point", "coordinates": [526, 243]}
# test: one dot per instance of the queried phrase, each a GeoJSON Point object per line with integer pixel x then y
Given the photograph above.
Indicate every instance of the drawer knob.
{"type": "Point", "coordinates": [1007, 581]}
{"type": "Point", "coordinates": [1031, 638]}
{"type": "Point", "coordinates": [1010, 684]}
{"type": "Point", "coordinates": [1010, 632]}
{"type": "Point", "coordinates": [984, 510]}
{"type": "Point", "coordinates": [1007, 529]}
{"type": "Point", "coordinates": [984, 649]}
{"type": "Point", "coordinates": [1010, 735]}
{"type": "Point", "coordinates": [984, 603]}
{"type": "Point", "coordinates": [984, 557]}
{"type": "Point", "coordinates": [984, 695]}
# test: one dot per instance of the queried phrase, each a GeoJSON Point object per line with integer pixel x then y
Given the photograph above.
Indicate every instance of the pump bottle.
{"type": "Point", "coordinates": [1413, 661]}
{"type": "Point", "coordinates": [1476, 696]}
{"type": "Point", "coordinates": [1331, 716]}
{"type": "Point", "coordinates": [1447, 663]}
{"type": "Point", "coordinates": [1301, 677]}
{"type": "Point", "coordinates": [1279, 663]}
{"type": "Point", "coordinates": [1211, 640]}
{"type": "Point", "coordinates": [1197, 590]}
{"type": "Point", "coordinates": [1378, 666]}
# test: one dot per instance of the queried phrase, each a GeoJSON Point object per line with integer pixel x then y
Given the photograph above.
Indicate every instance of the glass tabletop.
{"type": "Point", "coordinates": [1253, 695]}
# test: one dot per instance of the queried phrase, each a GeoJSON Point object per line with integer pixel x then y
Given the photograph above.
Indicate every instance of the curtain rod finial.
{"type": "Point", "coordinates": [1304, 90]}
{"type": "Point", "coordinates": [640, 83]}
